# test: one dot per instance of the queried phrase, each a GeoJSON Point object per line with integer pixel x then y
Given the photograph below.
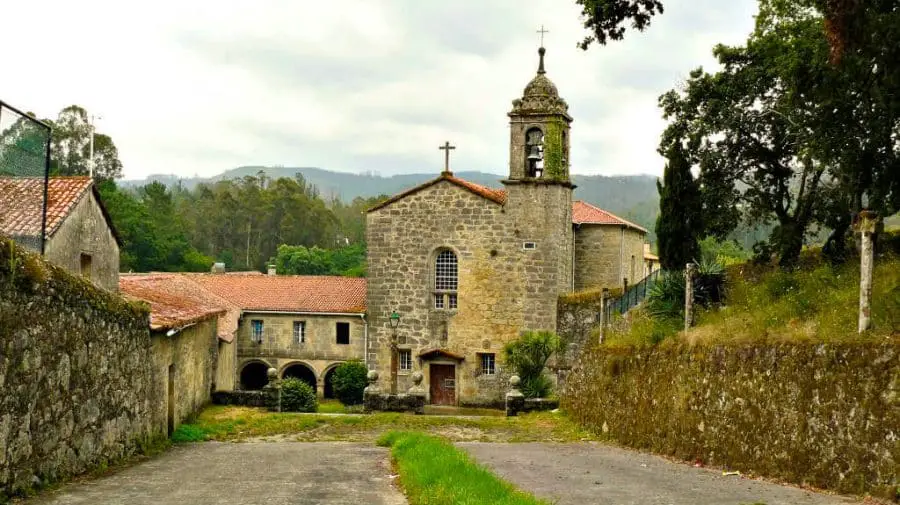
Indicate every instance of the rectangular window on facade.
{"type": "Point", "coordinates": [86, 261]}
{"type": "Point", "coordinates": [451, 301]}
{"type": "Point", "coordinates": [488, 364]}
{"type": "Point", "coordinates": [405, 359]}
{"type": "Point", "coordinates": [299, 332]}
{"type": "Point", "coordinates": [439, 300]}
{"type": "Point", "coordinates": [256, 331]}
{"type": "Point", "coordinates": [342, 331]}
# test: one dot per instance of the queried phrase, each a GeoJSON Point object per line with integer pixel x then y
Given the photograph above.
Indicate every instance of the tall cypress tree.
{"type": "Point", "coordinates": [679, 224]}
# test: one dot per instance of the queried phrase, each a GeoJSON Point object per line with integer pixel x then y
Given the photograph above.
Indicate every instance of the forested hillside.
{"type": "Point", "coordinates": [240, 222]}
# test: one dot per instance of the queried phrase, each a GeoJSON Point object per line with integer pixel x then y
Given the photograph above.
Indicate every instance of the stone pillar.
{"type": "Point", "coordinates": [604, 296]}
{"type": "Point", "coordinates": [273, 391]}
{"type": "Point", "coordinates": [689, 270]}
{"type": "Point", "coordinates": [515, 400]}
{"type": "Point", "coordinates": [416, 393]}
{"type": "Point", "coordinates": [866, 225]}
{"type": "Point", "coordinates": [372, 393]}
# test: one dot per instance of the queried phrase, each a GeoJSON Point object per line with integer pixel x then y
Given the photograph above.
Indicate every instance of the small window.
{"type": "Point", "coordinates": [529, 246]}
{"type": "Point", "coordinates": [86, 265]}
{"type": "Point", "coordinates": [488, 364]}
{"type": "Point", "coordinates": [299, 332]}
{"type": "Point", "coordinates": [439, 300]}
{"type": "Point", "coordinates": [256, 331]}
{"type": "Point", "coordinates": [451, 301]}
{"type": "Point", "coordinates": [342, 331]}
{"type": "Point", "coordinates": [405, 359]}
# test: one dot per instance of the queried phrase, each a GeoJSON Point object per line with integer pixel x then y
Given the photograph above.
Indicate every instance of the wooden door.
{"type": "Point", "coordinates": [443, 384]}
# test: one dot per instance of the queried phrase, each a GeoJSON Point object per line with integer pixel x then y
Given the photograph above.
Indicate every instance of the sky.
{"type": "Point", "coordinates": [194, 88]}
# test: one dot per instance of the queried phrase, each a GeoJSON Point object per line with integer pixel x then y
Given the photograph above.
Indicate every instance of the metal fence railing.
{"type": "Point", "coordinates": [631, 297]}
{"type": "Point", "coordinates": [24, 175]}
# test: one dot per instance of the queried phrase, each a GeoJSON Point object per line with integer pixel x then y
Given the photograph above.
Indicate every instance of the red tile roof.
{"type": "Point", "coordinates": [585, 213]}
{"type": "Point", "coordinates": [288, 293]}
{"type": "Point", "coordinates": [21, 199]}
{"type": "Point", "coordinates": [495, 195]}
{"type": "Point", "coordinates": [175, 300]}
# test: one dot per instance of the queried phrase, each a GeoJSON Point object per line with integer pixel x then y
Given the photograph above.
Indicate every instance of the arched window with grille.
{"type": "Point", "coordinates": [446, 280]}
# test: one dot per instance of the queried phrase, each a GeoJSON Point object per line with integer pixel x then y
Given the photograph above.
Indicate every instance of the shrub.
{"type": "Point", "coordinates": [528, 356]}
{"type": "Point", "coordinates": [350, 381]}
{"type": "Point", "coordinates": [298, 396]}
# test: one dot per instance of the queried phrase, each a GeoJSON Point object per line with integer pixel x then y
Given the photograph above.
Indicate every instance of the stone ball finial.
{"type": "Point", "coordinates": [372, 376]}
{"type": "Point", "coordinates": [514, 381]}
{"type": "Point", "coordinates": [272, 374]}
{"type": "Point", "coordinates": [417, 378]}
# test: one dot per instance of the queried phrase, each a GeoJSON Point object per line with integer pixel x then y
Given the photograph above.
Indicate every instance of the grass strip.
{"type": "Point", "coordinates": [233, 423]}
{"type": "Point", "coordinates": [434, 472]}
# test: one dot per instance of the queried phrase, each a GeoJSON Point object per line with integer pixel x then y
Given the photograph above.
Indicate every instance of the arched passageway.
{"type": "Point", "coordinates": [302, 372]}
{"type": "Point", "coordinates": [254, 376]}
{"type": "Point", "coordinates": [329, 383]}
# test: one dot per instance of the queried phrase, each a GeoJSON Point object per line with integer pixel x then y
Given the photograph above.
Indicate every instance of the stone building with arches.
{"type": "Point", "coordinates": [465, 268]}
{"type": "Point", "coordinates": [303, 326]}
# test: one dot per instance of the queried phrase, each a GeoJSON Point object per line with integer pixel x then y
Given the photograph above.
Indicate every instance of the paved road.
{"type": "Point", "coordinates": [570, 474]}
{"type": "Point", "coordinates": [283, 473]}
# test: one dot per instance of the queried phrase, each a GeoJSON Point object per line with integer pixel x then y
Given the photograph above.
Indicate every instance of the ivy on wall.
{"type": "Point", "coordinates": [554, 151]}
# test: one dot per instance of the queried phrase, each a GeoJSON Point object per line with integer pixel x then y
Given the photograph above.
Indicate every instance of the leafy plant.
{"type": "Point", "coordinates": [528, 356]}
{"type": "Point", "coordinates": [298, 396]}
{"type": "Point", "coordinates": [350, 382]}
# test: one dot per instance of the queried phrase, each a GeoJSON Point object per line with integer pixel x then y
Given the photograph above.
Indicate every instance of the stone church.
{"type": "Point", "coordinates": [456, 269]}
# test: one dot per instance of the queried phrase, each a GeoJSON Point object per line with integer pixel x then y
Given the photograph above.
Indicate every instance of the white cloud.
{"type": "Point", "coordinates": [194, 87]}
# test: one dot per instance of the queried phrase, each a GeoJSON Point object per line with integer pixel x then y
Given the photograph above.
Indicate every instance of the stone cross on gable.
{"type": "Point", "coordinates": [446, 148]}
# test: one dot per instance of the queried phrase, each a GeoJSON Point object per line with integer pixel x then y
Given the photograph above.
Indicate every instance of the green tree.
{"type": "Point", "coordinates": [350, 381]}
{"type": "Point", "coordinates": [606, 19]}
{"type": "Point", "coordinates": [298, 396]}
{"type": "Point", "coordinates": [70, 150]}
{"type": "Point", "coordinates": [679, 225]}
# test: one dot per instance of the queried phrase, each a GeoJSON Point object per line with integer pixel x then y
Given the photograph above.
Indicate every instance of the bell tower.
{"type": "Point", "coordinates": [539, 198]}
{"type": "Point", "coordinates": [539, 132]}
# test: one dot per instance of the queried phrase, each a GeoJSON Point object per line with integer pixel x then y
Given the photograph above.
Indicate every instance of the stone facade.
{"type": "Point", "coordinates": [80, 374]}
{"type": "Point", "coordinates": [185, 367]}
{"type": "Point", "coordinates": [319, 353]}
{"type": "Point", "coordinates": [84, 244]}
{"type": "Point", "coordinates": [226, 366]}
{"type": "Point", "coordinates": [514, 251]}
{"type": "Point", "coordinates": [608, 254]}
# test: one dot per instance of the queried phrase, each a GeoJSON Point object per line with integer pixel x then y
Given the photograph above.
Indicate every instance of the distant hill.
{"type": "Point", "coordinates": [632, 197]}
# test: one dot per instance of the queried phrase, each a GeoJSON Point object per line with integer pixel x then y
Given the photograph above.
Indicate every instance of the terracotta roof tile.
{"type": "Point", "coordinates": [174, 300]}
{"type": "Point", "coordinates": [585, 213]}
{"type": "Point", "coordinates": [289, 293]}
{"type": "Point", "coordinates": [497, 195]}
{"type": "Point", "coordinates": [21, 199]}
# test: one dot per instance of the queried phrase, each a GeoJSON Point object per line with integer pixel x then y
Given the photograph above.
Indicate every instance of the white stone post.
{"type": "Point", "coordinates": [604, 295]}
{"type": "Point", "coordinates": [689, 295]}
{"type": "Point", "coordinates": [866, 225]}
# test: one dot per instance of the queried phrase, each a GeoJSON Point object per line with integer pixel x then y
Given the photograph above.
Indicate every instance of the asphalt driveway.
{"type": "Point", "coordinates": [275, 473]}
{"type": "Point", "coordinates": [570, 474]}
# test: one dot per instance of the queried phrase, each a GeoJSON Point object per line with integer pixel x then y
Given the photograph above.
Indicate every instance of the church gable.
{"type": "Point", "coordinates": [497, 196]}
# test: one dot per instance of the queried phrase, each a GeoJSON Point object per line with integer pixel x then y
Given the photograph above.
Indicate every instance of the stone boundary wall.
{"type": "Point", "coordinates": [77, 386]}
{"type": "Point", "coordinates": [243, 398]}
{"type": "Point", "coordinates": [826, 415]}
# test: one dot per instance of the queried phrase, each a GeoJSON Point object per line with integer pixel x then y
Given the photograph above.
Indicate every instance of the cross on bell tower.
{"type": "Point", "coordinates": [447, 148]}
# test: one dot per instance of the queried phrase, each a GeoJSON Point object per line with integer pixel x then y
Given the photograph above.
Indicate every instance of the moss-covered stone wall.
{"type": "Point", "coordinates": [827, 415]}
{"type": "Point", "coordinates": [76, 374]}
